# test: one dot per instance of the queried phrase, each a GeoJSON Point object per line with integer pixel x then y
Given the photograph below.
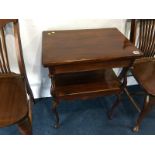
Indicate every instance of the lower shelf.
{"type": "Point", "coordinates": [86, 84]}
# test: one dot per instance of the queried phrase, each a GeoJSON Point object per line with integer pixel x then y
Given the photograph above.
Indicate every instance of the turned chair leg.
{"type": "Point", "coordinates": [25, 126]}
{"type": "Point", "coordinates": [54, 109]}
{"type": "Point", "coordinates": [144, 112]}
{"type": "Point", "coordinates": [117, 102]}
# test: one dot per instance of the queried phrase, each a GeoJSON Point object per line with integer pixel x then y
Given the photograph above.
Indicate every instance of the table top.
{"type": "Point", "coordinates": [71, 46]}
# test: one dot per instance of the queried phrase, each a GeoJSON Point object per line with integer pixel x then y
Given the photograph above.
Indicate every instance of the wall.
{"type": "Point", "coordinates": [31, 36]}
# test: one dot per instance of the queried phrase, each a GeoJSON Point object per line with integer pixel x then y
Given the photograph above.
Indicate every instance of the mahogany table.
{"type": "Point", "coordinates": [80, 63]}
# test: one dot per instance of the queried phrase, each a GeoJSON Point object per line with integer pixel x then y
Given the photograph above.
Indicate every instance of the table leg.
{"type": "Point", "coordinates": [54, 109]}
{"type": "Point", "coordinates": [55, 105]}
{"type": "Point", "coordinates": [122, 77]}
{"type": "Point", "coordinates": [117, 102]}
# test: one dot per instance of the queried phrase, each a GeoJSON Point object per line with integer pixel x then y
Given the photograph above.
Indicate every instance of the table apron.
{"type": "Point", "coordinates": [88, 66]}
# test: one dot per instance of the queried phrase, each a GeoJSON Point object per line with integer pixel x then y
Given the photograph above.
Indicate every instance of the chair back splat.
{"type": "Point", "coordinates": [144, 29]}
{"type": "Point", "coordinates": [4, 61]}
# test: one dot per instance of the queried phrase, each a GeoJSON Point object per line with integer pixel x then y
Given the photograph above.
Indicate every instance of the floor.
{"type": "Point", "coordinates": [87, 117]}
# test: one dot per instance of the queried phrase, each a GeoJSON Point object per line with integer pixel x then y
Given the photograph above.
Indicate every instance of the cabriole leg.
{"type": "Point", "coordinates": [55, 102]}
{"type": "Point", "coordinates": [54, 109]}
{"type": "Point", "coordinates": [25, 126]}
{"type": "Point", "coordinates": [144, 112]}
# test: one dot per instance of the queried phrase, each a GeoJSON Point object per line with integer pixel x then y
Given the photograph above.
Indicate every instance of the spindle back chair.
{"type": "Point", "coordinates": [15, 92]}
{"type": "Point", "coordinates": [142, 34]}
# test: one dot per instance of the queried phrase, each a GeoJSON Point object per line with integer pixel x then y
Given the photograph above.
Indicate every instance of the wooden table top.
{"type": "Point", "coordinates": [68, 46]}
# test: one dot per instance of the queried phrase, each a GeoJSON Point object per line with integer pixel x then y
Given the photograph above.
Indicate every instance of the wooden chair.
{"type": "Point", "coordinates": [15, 93]}
{"type": "Point", "coordinates": [143, 36]}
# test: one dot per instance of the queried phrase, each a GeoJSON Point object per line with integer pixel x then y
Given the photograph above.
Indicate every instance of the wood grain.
{"type": "Point", "coordinates": [73, 46]}
{"type": "Point", "coordinates": [80, 63]}
{"type": "Point", "coordinates": [14, 88]}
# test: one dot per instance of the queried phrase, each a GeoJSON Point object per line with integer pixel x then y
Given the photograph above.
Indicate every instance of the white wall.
{"type": "Point", "coordinates": [31, 36]}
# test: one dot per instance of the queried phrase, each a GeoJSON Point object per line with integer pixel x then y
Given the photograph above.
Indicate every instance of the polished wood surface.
{"type": "Point", "coordinates": [88, 66]}
{"type": "Point", "coordinates": [13, 104]}
{"type": "Point", "coordinates": [145, 74]}
{"type": "Point", "coordinates": [6, 21]}
{"type": "Point", "coordinates": [143, 68]}
{"type": "Point", "coordinates": [80, 63]}
{"type": "Point", "coordinates": [86, 84]}
{"type": "Point", "coordinates": [143, 36]}
{"type": "Point", "coordinates": [147, 37]}
{"type": "Point", "coordinates": [15, 92]}
{"type": "Point", "coordinates": [72, 46]}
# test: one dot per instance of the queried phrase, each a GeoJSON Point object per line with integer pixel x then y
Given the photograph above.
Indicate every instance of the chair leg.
{"type": "Point", "coordinates": [54, 109]}
{"type": "Point", "coordinates": [29, 90]}
{"type": "Point", "coordinates": [144, 112]}
{"type": "Point", "coordinates": [25, 126]}
{"type": "Point", "coordinates": [30, 110]}
{"type": "Point", "coordinates": [117, 102]}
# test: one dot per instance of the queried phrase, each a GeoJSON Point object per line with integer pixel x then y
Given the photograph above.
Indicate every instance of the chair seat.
{"type": "Point", "coordinates": [13, 99]}
{"type": "Point", "coordinates": [144, 72]}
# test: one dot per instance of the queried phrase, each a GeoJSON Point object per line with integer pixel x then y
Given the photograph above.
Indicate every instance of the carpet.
{"type": "Point", "coordinates": [87, 117]}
